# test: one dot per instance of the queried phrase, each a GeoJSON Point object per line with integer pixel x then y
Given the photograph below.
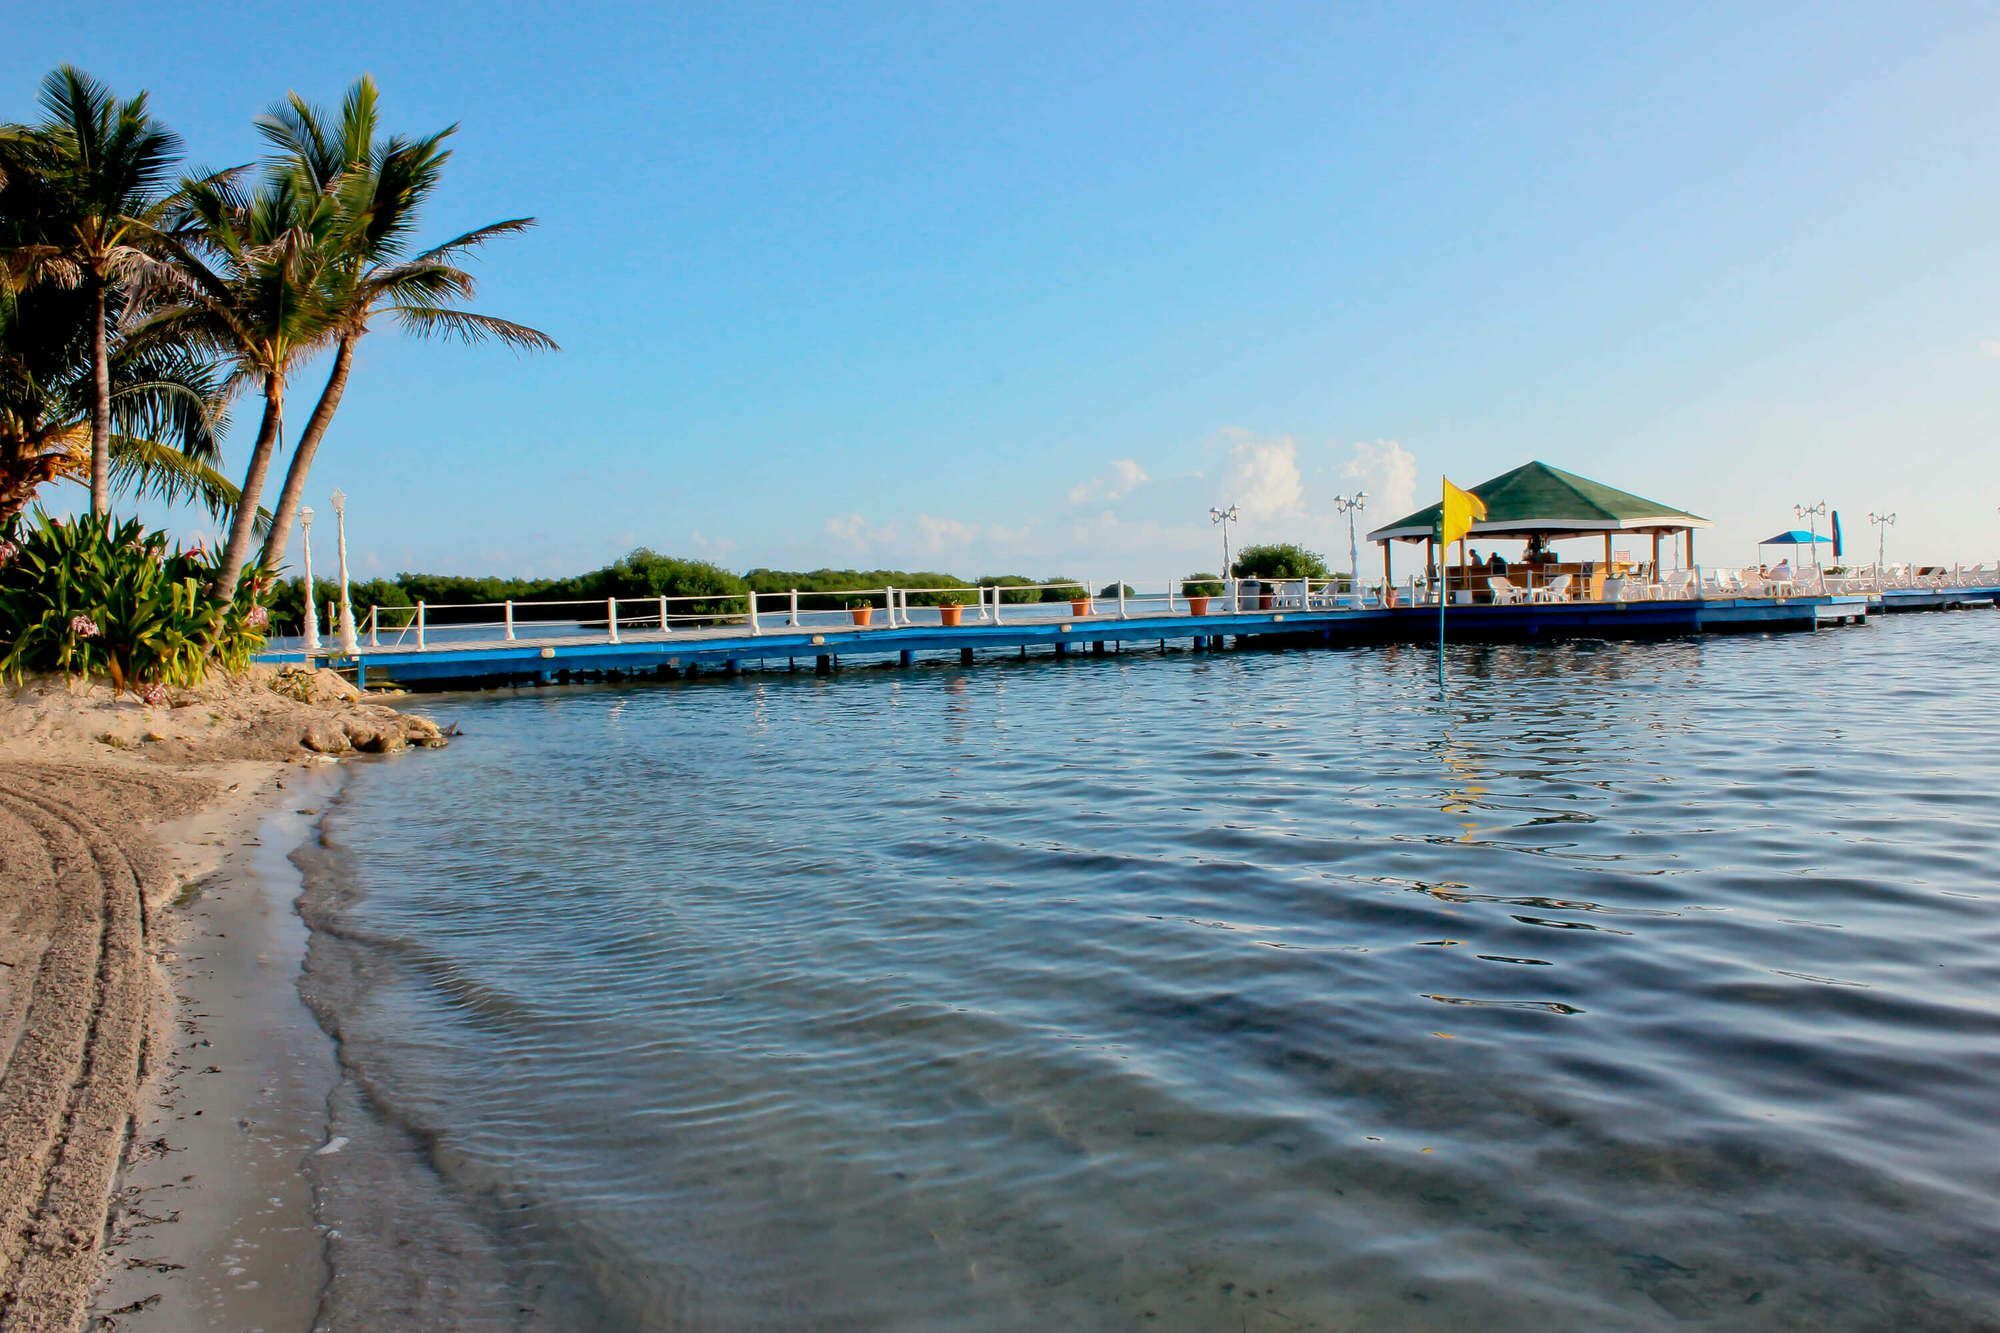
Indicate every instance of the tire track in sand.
{"type": "Point", "coordinates": [70, 1085]}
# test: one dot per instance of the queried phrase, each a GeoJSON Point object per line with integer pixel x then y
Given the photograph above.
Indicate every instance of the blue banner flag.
{"type": "Point", "coordinates": [1836, 534]}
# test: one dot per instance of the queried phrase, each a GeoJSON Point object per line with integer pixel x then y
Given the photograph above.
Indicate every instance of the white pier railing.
{"type": "Point", "coordinates": [760, 611]}
{"type": "Point", "coordinates": [619, 619]}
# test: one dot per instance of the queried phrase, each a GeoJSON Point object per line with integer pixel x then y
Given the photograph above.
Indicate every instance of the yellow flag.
{"type": "Point", "coordinates": [1460, 509]}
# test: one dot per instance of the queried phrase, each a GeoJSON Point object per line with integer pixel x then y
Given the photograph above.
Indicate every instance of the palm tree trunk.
{"type": "Point", "coordinates": [243, 526]}
{"type": "Point", "coordinates": [280, 535]}
{"type": "Point", "coordinates": [100, 403]}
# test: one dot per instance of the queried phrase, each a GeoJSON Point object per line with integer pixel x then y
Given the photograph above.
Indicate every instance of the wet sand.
{"type": "Point", "coordinates": [214, 1222]}
{"type": "Point", "coordinates": [107, 1082]}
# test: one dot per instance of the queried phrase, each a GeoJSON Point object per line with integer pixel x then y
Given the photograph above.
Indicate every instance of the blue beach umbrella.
{"type": "Point", "coordinates": [1793, 537]}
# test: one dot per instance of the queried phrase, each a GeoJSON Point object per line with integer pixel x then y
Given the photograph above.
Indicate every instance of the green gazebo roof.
{"type": "Point", "coordinates": [1536, 498]}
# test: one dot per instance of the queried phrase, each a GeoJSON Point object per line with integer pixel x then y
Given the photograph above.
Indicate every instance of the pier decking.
{"type": "Point", "coordinates": [448, 656]}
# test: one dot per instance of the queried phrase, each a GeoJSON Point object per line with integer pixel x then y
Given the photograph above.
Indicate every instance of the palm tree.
{"type": "Point", "coordinates": [379, 189]}
{"type": "Point", "coordinates": [249, 270]}
{"type": "Point", "coordinates": [112, 165]}
{"type": "Point", "coordinates": [165, 401]}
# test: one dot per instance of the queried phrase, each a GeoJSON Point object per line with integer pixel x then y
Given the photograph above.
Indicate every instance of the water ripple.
{"type": "Point", "coordinates": [1627, 986]}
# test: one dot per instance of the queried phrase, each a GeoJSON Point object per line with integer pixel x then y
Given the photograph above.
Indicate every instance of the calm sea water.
{"type": "Point", "coordinates": [1626, 986]}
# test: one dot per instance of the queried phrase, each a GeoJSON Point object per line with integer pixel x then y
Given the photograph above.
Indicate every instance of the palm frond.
{"type": "Point", "coordinates": [473, 239]}
{"type": "Point", "coordinates": [468, 327]}
{"type": "Point", "coordinates": [147, 467]}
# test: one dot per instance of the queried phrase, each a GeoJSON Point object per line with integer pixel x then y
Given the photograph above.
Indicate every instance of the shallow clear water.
{"type": "Point", "coordinates": [1628, 985]}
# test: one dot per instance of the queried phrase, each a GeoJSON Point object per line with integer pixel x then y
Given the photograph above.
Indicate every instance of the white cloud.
{"type": "Point", "coordinates": [939, 535]}
{"type": "Point", "coordinates": [1388, 472]}
{"type": "Point", "coordinates": [720, 547]}
{"type": "Point", "coordinates": [1124, 476]}
{"type": "Point", "coordinates": [857, 533]}
{"type": "Point", "coordinates": [1990, 346]}
{"type": "Point", "coordinates": [1264, 478]}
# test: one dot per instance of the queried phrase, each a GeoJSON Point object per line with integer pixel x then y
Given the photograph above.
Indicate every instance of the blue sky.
{"type": "Point", "coordinates": [1028, 287]}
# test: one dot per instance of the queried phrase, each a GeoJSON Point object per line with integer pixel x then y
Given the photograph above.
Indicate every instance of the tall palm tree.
{"type": "Point", "coordinates": [379, 189]}
{"type": "Point", "coordinates": [165, 402]}
{"type": "Point", "coordinates": [112, 171]}
{"type": "Point", "coordinates": [166, 408]}
{"type": "Point", "coordinates": [250, 271]}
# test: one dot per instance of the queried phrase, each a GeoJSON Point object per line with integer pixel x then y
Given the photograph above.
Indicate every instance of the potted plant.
{"type": "Point", "coordinates": [1079, 605]}
{"type": "Point", "coordinates": [951, 609]}
{"type": "Point", "coordinates": [862, 611]}
{"type": "Point", "coordinates": [1198, 589]}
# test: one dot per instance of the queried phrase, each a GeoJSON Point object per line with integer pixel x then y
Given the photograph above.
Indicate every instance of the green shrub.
{"type": "Point", "coordinates": [1117, 589]}
{"type": "Point", "coordinates": [1061, 589]}
{"type": "Point", "coordinates": [93, 594]}
{"type": "Point", "coordinates": [1201, 585]}
{"type": "Point", "coordinates": [1012, 595]}
{"type": "Point", "coordinates": [1279, 560]}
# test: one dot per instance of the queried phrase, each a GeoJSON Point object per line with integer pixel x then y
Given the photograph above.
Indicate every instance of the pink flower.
{"type": "Point", "coordinates": [154, 695]}
{"type": "Point", "coordinates": [258, 618]}
{"type": "Point", "coordinates": [83, 627]}
{"type": "Point", "coordinates": [8, 551]}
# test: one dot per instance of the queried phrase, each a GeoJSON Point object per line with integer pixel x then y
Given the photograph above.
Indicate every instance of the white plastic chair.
{"type": "Point", "coordinates": [1677, 585]}
{"type": "Point", "coordinates": [1505, 592]}
{"type": "Point", "coordinates": [1555, 590]}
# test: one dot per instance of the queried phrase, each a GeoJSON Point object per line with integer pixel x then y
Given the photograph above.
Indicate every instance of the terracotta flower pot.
{"type": "Point", "coordinates": [863, 615]}
{"type": "Point", "coordinates": [1079, 606]}
{"type": "Point", "coordinates": [1197, 606]}
{"type": "Point", "coordinates": [949, 614]}
{"type": "Point", "coordinates": [1265, 601]}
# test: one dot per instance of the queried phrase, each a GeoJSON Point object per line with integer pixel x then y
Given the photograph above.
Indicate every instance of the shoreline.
{"type": "Point", "coordinates": [130, 843]}
{"type": "Point", "coordinates": [215, 1221]}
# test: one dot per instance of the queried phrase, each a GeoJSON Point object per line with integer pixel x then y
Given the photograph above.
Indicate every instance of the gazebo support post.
{"type": "Point", "coordinates": [1385, 571]}
{"type": "Point", "coordinates": [1607, 555]}
{"type": "Point", "coordinates": [1656, 557]}
{"type": "Point", "coordinates": [1690, 541]}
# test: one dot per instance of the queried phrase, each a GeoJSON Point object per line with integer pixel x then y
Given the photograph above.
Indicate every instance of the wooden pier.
{"type": "Point", "coordinates": [468, 657]}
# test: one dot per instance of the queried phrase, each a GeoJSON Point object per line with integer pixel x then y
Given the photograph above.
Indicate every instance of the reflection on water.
{"type": "Point", "coordinates": [1629, 985]}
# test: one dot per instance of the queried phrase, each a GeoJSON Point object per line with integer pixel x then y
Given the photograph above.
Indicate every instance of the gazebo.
{"type": "Point", "coordinates": [1536, 501]}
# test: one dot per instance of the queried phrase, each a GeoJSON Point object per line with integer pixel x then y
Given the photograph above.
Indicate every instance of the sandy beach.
{"type": "Point", "coordinates": [160, 1080]}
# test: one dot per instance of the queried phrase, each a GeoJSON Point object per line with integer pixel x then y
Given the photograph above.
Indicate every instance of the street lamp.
{"type": "Point", "coordinates": [348, 646]}
{"type": "Point", "coordinates": [1224, 517]}
{"type": "Point", "coordinates": [1881, 522]}
{"type": "Point", "coordinates": [312, 610]}
{"type": "Point", "coordinates": [1351, 505]}
{"type": "Point", "coordinates": [1812, 513]}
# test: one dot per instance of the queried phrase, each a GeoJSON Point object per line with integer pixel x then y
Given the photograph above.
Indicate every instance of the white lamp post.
{"type": "Point", "coordinates": [1812, 513]}
{"type": "Point", "coordinates": [1223, 518]}
{"type": "Point", "coordinates": [1351, 505]}
{"type": "Point", "coordinates": [312, 608]}
{"type": "Point", "coordinates": [1881, 522]}
{"type": "Point", "coordinates": [348, 646]}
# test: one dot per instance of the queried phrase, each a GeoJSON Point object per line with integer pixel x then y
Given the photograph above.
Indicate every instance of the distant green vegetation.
{"type": "Point", "coordinates": [1279, 560]}
{"type": "Point", "coordinates": [647, 573]}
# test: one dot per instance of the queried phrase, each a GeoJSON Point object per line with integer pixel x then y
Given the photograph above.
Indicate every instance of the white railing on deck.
{"type": "Point", "coordinates": [989, 604]}
{"type": "Point", "coordinates": [763, 611]}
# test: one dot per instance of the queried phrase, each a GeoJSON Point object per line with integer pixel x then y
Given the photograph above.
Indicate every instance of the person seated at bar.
{"type": "Point", "coordinates": [1538, 551]}
{"type": "Point", "coordinates": [1496, 564]}
{"type": "Point", "coordinates": [1472, 559]}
